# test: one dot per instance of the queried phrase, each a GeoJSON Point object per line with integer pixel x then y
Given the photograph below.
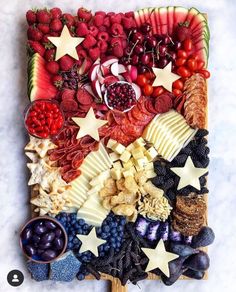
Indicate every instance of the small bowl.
{"type": "Point", "coordinates": [135, 88]}
{"type": "Point", "coordinates": [30, 224]}
{"type": "Point", "coordinates": [27, 111]}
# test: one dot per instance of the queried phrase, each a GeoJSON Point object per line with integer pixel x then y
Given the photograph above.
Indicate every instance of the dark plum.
{"type": "Point", "coordinates": [198, 262]}
{"type": "Point", "coordinates": [48, 237]}
{"type": "Point", "coordinates": [182, 249]}
{"type": "Point", "coordinates": [30, 250]}
{"type": "Point", "coordinates": [50, 225]}
{"type": "Point", "coordinates": [27, 234]}
{"type": "Point", "coordinates": [58, 243]}
{"type": "Point", "coordinates": [48, 255]}
{"type": "Point", "coordinates": [58, 232]}
{"type": "Point", "coordinates": [205, 237]}
{"type": "Point", "coordinates": [39, 228]}
{"type": "Point", "coordinates": [45, 245]}
{"type": "Point", "coordinates": [194, 274]}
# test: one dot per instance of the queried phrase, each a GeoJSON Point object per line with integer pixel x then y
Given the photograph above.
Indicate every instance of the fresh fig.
{"type": "Point", "coordinates": [198, 275]}
{"type": "Point", "coordinates": [205, 237]}
{"type": "Point", "coordinates": [182, 249]}
{"type": "Point", "coordinates": [176, 271]}
{"type": "Point", "coordinates": [198, 262]}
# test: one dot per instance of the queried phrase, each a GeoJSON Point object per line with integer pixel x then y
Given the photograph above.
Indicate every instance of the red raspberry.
{"type": "Point", "coordinates": [84, 14]}
{"type": "Point", "coordinates": [68, 19]}
{"type": "Point", "coordinates": [82, 54]}
{"type": "Point", "coordinates": [82, 29]}
{"type": "Point", "coordinates": [34, 34]}
{"type": "Point", "coordinates": [93, 30]}
{"type": "Point", "coordinates": [129, 14]}
{"type": "Point", "coordinates": [103, 36]}
{"type": "Point", "coordinates": [118, 51]}
{"type": "Point", "coordinates": [66, 63]}
{"type": "Point", "coordinates": [31, 17]}
{"type": "Point", "coordinates": [109, 14]}
{"type": "Point", "coordinates": [102, 46]}
{"type": "Point", "coordinates": [56, 12]}
{"type": "Point", "coordinates": [43, 27]}
{"type": "Point", "coordinates": [117, 29]}
{"type": "Point", "coordinates": [43, 16]}
{"type": "Point", "coordinates": [57, 80]}
{"type": "Point", "coordinates": [56, 25]}
{"type": "Point", "coordinates": [50, 55]}
{"type": "Point", "coordinates": [102, 28]}
{"type": "Point", "coordinates": [36, 47]}
{"type": "Point", "coordinates": [128, 22]}
{"type": "Point", "coordinates": [100, 13]}
{"type": "Point", "coordinates": [94, 53]}
{"type": "Point", "coordinates": [89, 42]}
{"type": "Point", "coordinates": [52, 67]}
{"type": "Point", "coordinates": [124, 43]}
{"type": "Point", "coordinates": [98, 20]}
{"type": "Point", "coordinates": [115, 18]}
{"type": "Point", "coordinates": [107, 22]}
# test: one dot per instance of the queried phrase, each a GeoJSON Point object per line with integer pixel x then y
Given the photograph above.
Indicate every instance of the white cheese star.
{"type": "Point", "coordinates": [90, 242]}
{"type": "Point", "coordinates": [89, 125]}
{"type": "Point", "coordinates": [66, 44]}
{"type": "Point", "coordinates": [189, 174]}
{"type": "Point", "coordinates": [159, 258]}
{"type": "Point", "coordinates": [164, 77]}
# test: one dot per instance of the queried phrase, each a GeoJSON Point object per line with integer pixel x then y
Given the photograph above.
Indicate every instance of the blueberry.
{"type": "Point", "coordinates": [118, 244]}
{"type": "Point", "coordinates": [106, 248]}
{"type": "Point", "coordinates": [70, 245]}
{"type": "Point", "coordinates": [113, 231]}
{"type": "Point", "coordinates": [113, 245]}
{"type": "Point", "coordinates": [102, 254]}
{"type": "Point", "coordinates": [121, 233]}
{"type": "Point", "coordinates": [85, 227]}
{"type": "Point", "coordinates": [106, 228]}
{"type": "Point", "coordinates": [118, 238]}
{"type": "Point", "coordinates": [101, 247]}
{"type": "Point", "coordinates": [81, 222]}
{"type": "Point", "coordinates": [113, 239]}
{"type": "Point", "coordinates": [70, 237]}
{"type": "Point", "coordinates": [99, 230]}
{"type": "Point", "coordinates": [80, 277]}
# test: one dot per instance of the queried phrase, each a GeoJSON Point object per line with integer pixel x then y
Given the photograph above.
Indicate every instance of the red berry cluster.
{"type": "Point", "coordinates": [44, 119]}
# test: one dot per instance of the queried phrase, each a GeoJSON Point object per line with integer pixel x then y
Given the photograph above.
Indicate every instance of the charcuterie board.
{"type": "Point", "coordinates": [117, 125]}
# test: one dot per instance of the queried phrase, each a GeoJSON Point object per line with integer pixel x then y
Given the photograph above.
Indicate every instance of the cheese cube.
{"type": "Point", "coordinates": [137, 153]}
{"type": "Point", "coordinates": [151, 153]}
{"type": "Point", "coordinates": [149, 166]}
{"type": "Point", "coordinates": [141, 162]}
{"type": "Point", "coordinates": [114, 156]}
{"type": "Point", "coordinates": [128, 172]}
{"type": "Point", "coordinates": [138, 168]}
{"type": "Point", "coordinates": [133, 169]}
{"type": "Point", "coordinates": [111, 143]}
{"type": "Point", "coordinates": [117, 165]}
{"type": "Point", "coordinates": [128, 164]}
{"type": "Point", "coordinates": [125, 156]}
{"type": "Point", "coordinates": [130, 147]}
{"type": "Point", "coordinates": [150, 174]}
{"type": "Point", "coordinates": [118, 148]}
{"type": "Point", "coordinates": [116, 174]}
{"type": "Point", "coordinates": [139, 142]}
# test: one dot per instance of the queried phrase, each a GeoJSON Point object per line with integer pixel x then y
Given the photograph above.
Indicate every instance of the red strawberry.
{"type": "Point", "coordinates": [34, 34]}
{"type": "Point", "coordinates": [82, 29]}
{"type": "Point", "coordinates": [68, 19]}
{"type": "Point", "coordinates": [31, 17]}
{"type": "Point", "coordinates": [43, 16]}
{"type": "Point", "coordinates": [66, 63]}
{"type": "Point", "coordinates": [103, 36]}
{"type": "Point", "coordinates": [115, 18]}
{"type": "Point", "coordinates": [36, 47]}
{"type": "Point", "coordinates": [117, 29]}
{"type": "Point", "coordinates": [93, 30]}
{"type": "Point", "coordinates": [102, 46]}
{"type": "Point", "coordinates": [52, 67]}
{"type": "Point", "coordinates": [84, 14]}
{"type": "Point", "coordinates": [107, 22]}
{"type": "Point", "coordinates": [102, 13]}
{"type": "Point", "coordinates": [43, 27]}
{"type": "Point", "coordinates": [89, 42]}
{"type": "Point", "coordinates": [50, 55]}
{"type": "Point", "coordinates": [118, 51]}
{"type": "Point", "coordinates": [57, 80]}
{"type": "Point", "coordinates": [94, 53]}
{"type": "Point", "coordinates": [98, 20]}
{"type": "Point", "coordinates": [56, 12]}
{"type": "Point", "coordinates": [56, 25]}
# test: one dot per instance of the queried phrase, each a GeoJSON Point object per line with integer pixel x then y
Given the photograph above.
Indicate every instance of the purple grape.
{"type": "Point", "coordinates": [58, 232]}
{"type": "Point", "coordinates": [48, 255]}
{"type": "Point", "coordinates": [50, 225]}
{"type": "Point", "coordinates": [36, 238]}
{"type": "Point", "coordinates": [27, 234]}
{"type": "Point", "coordinates": [40, 251]}
{"type": "Point", "coordinates": [39, 228]}
{"type": "Point", "coordinates": [58, 243]}
{"type": "Point", "coordinates": [30, 250]}
{"type": "Point", "coordinates": [48, 237]}
{"type": "Point", "coordinates": [44, 245]}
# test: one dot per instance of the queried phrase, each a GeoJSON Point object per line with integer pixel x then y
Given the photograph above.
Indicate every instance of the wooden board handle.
{"type": "Point", "coordinates": [116, 286]}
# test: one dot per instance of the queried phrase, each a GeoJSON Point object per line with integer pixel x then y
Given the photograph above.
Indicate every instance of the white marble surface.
{"type": "Point", "coordinates": [222, 122]}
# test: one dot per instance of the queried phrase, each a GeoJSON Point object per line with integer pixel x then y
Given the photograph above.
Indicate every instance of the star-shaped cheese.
{"type": "Point", "coordinates": [189, 174]}
{"type": "Point", "coordinates": [164, 77]}
{"type": "Point", "coordinates": [90, 242]}
{"type": "Point", "coordinates": [159, 258]}
{"type": "Point", "coordinates": [66, 44]}
{"type": "Point", "coordinates": [89, 125]}
{"type": "Point", "coordinates": [38, 171]}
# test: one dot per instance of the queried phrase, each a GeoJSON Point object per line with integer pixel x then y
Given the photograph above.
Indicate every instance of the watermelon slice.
{"type": "Point", "coordinates": [163, 20]}
{"type": "Point", "coordinates": [180, 15]}
{"type": "Point", "coordinates": [152, 20]}
{"type": "Point", "coordinates": [39, 80]}
{"type": "Point", "coordinates": [137, 19]}
{"type": "Point", "coordinates": [170, 19]}
{"type": "Point", "coordinates": [158, 24]}
{"type": "Point", "coordinates": [191, 14]}
{"type": "Point", "coordinates": [141, 16]}
{"type": "Point", "coordinates": [146, 15]}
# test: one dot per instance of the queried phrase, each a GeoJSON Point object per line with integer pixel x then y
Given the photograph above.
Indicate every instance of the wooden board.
{"type": "Point", "coordinates": [115, 282]}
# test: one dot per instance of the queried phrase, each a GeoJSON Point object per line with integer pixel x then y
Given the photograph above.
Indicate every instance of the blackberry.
{"type": "Point", "coordinates": [201, 133]}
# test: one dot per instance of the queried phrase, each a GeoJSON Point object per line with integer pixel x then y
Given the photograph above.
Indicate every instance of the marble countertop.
{"type": "Point", "coordinates": [222, 124]}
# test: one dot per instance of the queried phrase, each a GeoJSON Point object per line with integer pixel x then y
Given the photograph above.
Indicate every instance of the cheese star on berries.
{"type": "Point", "coordinates": [66, 44]}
